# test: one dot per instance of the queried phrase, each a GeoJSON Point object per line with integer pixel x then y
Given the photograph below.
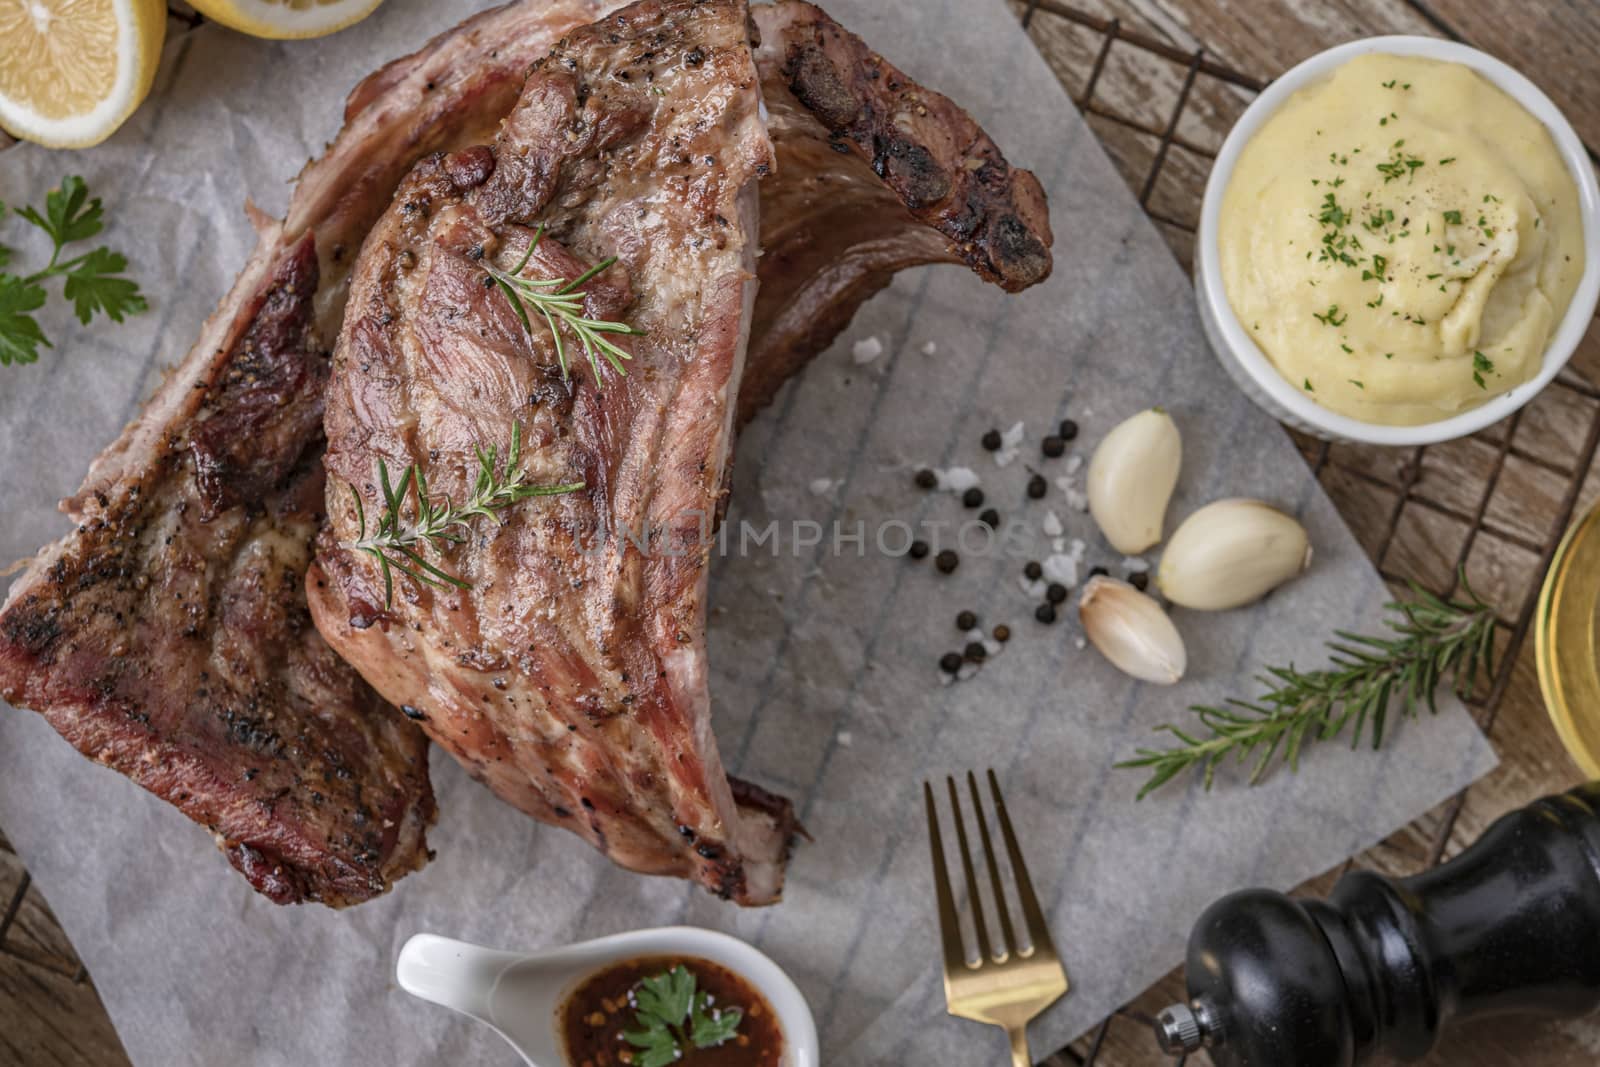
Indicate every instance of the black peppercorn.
{"type": "Point", "coordinates": [973, 498]}
{"type": "Point", "coordinates": [1098, 572]}
{"type": "Point", "coordinates": [1055, 593]}
{"type": "Point", "coordinates": [946, 561]}
{"type": "Point", "coordinates": [965, 621]}
{"type": "Point", "coordinates": [1033, 570]}
{"type": "Point", "coordinates": [1052, 446]}
{"type": "Point", "coordinates": [1002, 633]}
{"type": "Point", "coordinates": [1045, 613]}
{"type": "Point", "coordinates": [950, 662]}
{"type": "Point", "coordinates": [1140, 580]}
{"type": "Point", "coordinates": [1037, 487]}
{"type": "Point", "coordinates": [990, 518]}
{"type": "Point", "coordinates": [918, 550]}
{"type": "Point", "coordinates": [926, 479]}
{"type": "Point", "coordinates": [991, 441]}
{"type": "Point", "coordinates": [975, 652]}
{"type": "Point", "coordinates": [1068, 429]}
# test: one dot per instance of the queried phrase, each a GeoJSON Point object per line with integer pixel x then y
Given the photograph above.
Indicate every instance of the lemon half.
{"type": "Point", "coordinates": [71, 71]}
{"type": "Point", "coordinates": [284, 19]}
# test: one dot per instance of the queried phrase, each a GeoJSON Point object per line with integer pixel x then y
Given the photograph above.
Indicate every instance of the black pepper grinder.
{"type": "Point", "coordinates": [1510, 925]}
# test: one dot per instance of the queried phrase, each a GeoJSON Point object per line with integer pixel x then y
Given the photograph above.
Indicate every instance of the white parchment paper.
{"type": "Point", "coordinates": [823, 663]}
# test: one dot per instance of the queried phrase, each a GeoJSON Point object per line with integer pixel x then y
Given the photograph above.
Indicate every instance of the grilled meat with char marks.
{"type": "Point", "coordinates": [167, 635]}
{"type": "Point", "coordinates": [833, 230]}
{"type": "Point", "coordinates": [875, 174]}
{"type": "Point", "coordinates": [569, 675]}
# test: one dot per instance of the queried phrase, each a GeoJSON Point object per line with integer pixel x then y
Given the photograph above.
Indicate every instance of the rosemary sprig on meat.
{"type": "Point", "coordinates": [560, 302]}
{"type": "Point", "coordinates": [1437, 640]}
{"type": "Point", "coordinates": [396, 544]}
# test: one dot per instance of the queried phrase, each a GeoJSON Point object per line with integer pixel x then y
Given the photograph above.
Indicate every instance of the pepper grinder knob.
{"type": "Point", "coordinates": [1512, 924]}
{"type": "Point", "coordinates": [1185, 1028]}
{"type": "Point", "coordinates": [1178, 1031]}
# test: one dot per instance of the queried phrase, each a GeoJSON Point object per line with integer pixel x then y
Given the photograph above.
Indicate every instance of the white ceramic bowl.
{"type": "Point", "coordinates": [1249, 366]}
{"type": "Point", "coordinates": [518, 993]}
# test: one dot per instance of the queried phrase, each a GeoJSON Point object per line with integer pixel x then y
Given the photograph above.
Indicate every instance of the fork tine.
{"type": "Point", "coordinates": [955, 957]}
{"type": "Point", "coordinates": [984, 953]}
{"type": "Point", "coordinates": [1038, 930]}
{"type": "Point", "coordinates": [1001, 908]}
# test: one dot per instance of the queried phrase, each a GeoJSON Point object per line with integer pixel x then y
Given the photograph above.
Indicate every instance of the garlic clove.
{"type": "Point", "coordinates": [1130, 629]}
{"type": "Point", "coordinates": [1231, 553]}
{"type": "Point", "coordinates": [1131, 478]}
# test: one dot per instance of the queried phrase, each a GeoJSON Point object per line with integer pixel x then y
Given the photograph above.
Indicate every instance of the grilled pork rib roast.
{"type": "Point", "coordinates": [827, 198]}
{"type": "Point", "coordinates": [167, 635]}
{"type": "Point", "coordinates": [570, 676]}
{"type": "Point", "coordinates": [875, 174]}
{"type": "Point", "coordinates": [567, 669]}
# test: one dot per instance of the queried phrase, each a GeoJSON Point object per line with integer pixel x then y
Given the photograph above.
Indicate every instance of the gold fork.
{"type": "Point", "coordinates": [1010, 985]}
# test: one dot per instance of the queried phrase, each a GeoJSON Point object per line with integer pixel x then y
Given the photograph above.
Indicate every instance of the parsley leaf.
{"type": "Point", "coordinates": [69, 214]}
{"type": "Point", "coordinates": [711, 1030]}
{"type": "Point", "coordinates": [20, 336]}
{"type": "Point", "coordinates": [92, 286]}
{"type": "Point", "coordinates": [1481, 365]}
{"type": "Point", "coordinates": [671, 1015]}
{"type": "Point", "coordinates": [92, 281]}
{"type": "Point", "coordinates": [657, 1047]}
{"type": "Point", "coordinates": [667, 997]}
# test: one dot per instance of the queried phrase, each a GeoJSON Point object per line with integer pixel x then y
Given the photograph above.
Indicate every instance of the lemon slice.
{"type": "Point", "coordinates": [71, 71]}
{"type": "Point", "coordinates": [284, 19]}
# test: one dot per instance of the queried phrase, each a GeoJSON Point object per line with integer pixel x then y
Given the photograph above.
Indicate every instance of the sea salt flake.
{"type": "Point", "coordinates": [1062, 568]}
{"type": "Point", "coordinates": [956, 479]}
{"type": "Point", "coordinates": [929, 348]}
{"type": "Point", "coordinates": [1134, 564]}
{"type": "Point", "coordinates": [822, 486]}
{"type": "Point", "coordinates": [1010, 442]}
{"type": "Point", "coordinates": [866, 350]}
{"type": "Point", "coordinates": [1074, 462]}
{"type": "Point", "coordinates": [967, 671]}
{"type": "Point", "coordinates": [845, 739]}
{"type": "Point", "coordinates": [1052, 524]}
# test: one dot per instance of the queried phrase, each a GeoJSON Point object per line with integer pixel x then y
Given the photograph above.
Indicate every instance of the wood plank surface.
{"type": "Point", "coordinates": [1492, 504]}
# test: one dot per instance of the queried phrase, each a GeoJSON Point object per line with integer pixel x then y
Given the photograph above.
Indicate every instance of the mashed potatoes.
{"type": "Point", "coordinates": [1401, 240]}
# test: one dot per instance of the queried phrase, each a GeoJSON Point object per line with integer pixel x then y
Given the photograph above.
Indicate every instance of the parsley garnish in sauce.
{"type": "Point", "coordinates": [672, 1016]}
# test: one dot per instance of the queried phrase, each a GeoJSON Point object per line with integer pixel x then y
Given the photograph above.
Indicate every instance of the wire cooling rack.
{"type": "Point", "coordinates": [1426, 515]}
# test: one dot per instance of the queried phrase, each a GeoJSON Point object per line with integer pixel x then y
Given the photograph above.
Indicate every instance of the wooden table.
{"type": "Point", "coordinates": [1162, 81]}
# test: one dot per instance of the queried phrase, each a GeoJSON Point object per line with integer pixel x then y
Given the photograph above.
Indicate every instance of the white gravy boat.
{"type": "Point", "coordinates": [518, 993]}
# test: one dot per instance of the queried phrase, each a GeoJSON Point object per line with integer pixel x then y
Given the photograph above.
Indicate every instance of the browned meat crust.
{"type": "Point", "coordinates": [253, 464]}
{"type": "Point", "coordinates": [571, 677]}
{"type": "Point", "coordinates": [875, 174]}
{"type": "Point", "coordinates": [167, 636]}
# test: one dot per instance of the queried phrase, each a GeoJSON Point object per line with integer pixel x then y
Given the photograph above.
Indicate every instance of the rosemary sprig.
{"type": "Point", "coordinates": [396, 544]}
{"type": "Point", "coordinates": [1436, 640]}
{"type": "Point", "coordinates": [560, 302]}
